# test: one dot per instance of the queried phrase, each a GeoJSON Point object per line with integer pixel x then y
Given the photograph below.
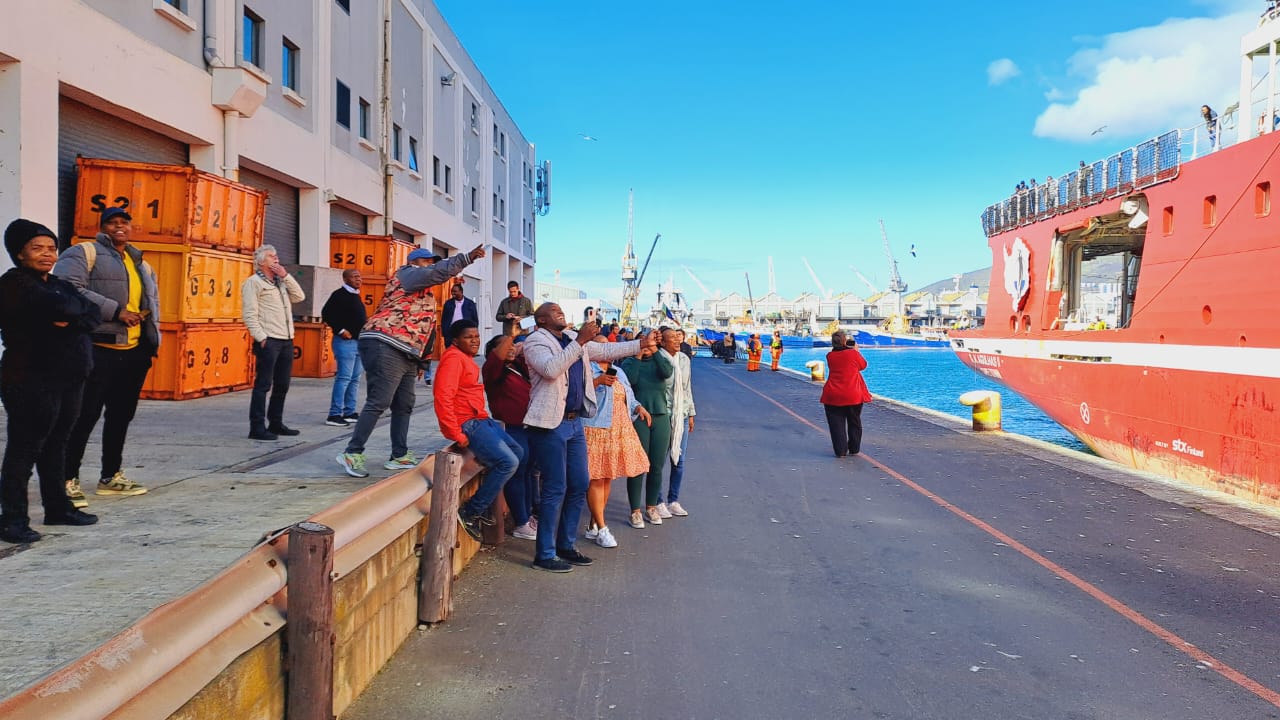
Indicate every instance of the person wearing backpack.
{"type": "Point", "coordinates": [111, 273]}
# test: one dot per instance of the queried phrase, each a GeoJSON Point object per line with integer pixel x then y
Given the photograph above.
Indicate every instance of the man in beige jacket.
{"type": "Point", "coordinates": [268, 296]}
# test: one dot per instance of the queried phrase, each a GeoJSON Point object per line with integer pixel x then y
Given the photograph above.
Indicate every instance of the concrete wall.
{"type": "Point", "coordinates": [142, 61]}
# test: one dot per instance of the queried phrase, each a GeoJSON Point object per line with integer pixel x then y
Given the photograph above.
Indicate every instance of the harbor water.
{"type": "Point", "coordinates": [934, 379]}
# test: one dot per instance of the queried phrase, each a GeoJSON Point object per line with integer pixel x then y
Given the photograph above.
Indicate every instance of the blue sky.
{"type": "Point", "coordinates": [751, 129]}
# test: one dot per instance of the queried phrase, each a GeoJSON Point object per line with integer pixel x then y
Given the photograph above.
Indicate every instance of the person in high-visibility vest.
{"type": "Point", "coordinates": [775, 351]}
{"type": "Point", "coordinates": [755, 349]}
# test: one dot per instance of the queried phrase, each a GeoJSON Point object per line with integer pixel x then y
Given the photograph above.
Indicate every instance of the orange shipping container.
{"type": "Point", "coordinates": [371, 292]}
{"type": "Point", "coordinates": [199, 360]}
{"type": "Point", "coordinates": [196, 285]}
{"type": "Point", "coordinates": [375, 256]}
{"type": "Point", "coordinates": [313, 350]}
{"type": "Point", "coordinates": [174, 204]}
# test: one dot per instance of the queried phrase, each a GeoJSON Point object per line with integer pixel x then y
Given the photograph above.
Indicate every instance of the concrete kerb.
{"type": "Point", "coordinates": [1231, 508]}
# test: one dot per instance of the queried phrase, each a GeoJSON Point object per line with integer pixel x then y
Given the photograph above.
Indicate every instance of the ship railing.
{"type": "Point", "coordinates": [1155, 161]}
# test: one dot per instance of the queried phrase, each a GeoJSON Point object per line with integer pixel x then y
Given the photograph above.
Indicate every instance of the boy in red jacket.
{"type": "Point", "coordinates": [459, 401]}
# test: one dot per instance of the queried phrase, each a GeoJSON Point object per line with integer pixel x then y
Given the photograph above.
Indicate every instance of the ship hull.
{"type": "Point", "coordinates": [880, 338]}
{"type": "Point", "coordinates": [1166, 409]}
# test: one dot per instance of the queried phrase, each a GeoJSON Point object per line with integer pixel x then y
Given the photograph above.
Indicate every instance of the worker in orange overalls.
{"type": "Point", "coordinates": [755, 349]}
{"type": "Point", "coordinates": [775, 350]}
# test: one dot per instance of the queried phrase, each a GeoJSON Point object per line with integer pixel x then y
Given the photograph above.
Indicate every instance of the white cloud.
{"type": "Point", "coordinates": [1001, 70]}
{"type": "Point", "coordinates": [1150, 79]}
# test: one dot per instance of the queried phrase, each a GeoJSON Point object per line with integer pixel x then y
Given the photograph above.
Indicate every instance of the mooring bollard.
{"type": "Point", "coordinates": [817, 370]}
{"type": "Point", "coordinates": [986, 409]}
{"type": "Point", "coordinates": [309, 625]}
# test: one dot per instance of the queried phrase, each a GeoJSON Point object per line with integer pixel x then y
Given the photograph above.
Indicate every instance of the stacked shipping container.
{"type": "Point", "coordinates": [198, 231]}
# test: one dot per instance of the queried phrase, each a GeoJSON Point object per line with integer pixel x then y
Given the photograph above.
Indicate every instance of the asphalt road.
{"type": "Point", "coordinates": [946, 575]}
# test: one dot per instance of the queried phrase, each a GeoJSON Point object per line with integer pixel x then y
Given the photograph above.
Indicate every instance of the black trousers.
{"type": "Point", "coordinates": [275, 368]}
{"type": "Point", "coordinates": [845, 423]}
{"type": "Point", "coordinates": [40, 420]}
{"type": "Point", "coordinates": [113, 387]}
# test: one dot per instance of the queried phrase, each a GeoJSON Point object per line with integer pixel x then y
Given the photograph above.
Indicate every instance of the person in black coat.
{"type": "Point", "coordinates": [45, 324]}
{"type": "Point", "coordinates": [457, 307]}
{"type": "Point", "coordinates": [344, 312]}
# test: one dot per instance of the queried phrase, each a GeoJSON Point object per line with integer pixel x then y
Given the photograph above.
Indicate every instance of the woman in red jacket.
{"type": "Point", "coordinates": [844, 394]}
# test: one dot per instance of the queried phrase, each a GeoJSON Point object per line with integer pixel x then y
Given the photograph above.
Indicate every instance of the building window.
{"type": "Point", "coordinates": [289, 65]}
{"type": "Point", "coordinates": [475, 117]}
{"type": "Point", "coordinates": [502, 209]}
{"type": "Point", "coordinates": [365, 112]}
{"type": "Point", "coordinates": [342, 105]}
{"type": "Point", "coordinates": [495, 206]}
{"type": "Point", "coordinates": [395, 143]}
{"type": "Point", "coordinates": [502, 144]}
{"type": "Point", "coordinates": [177, 5]}
{"type": "Point", "coordinates": [413, 154]}
{"type": "Point", "coordinates": [495, 137]}
{"type": "Point", "coordinates": [475, 200]}
{"type": "Point", "coordinates": [251, 39]}
{"type": "Point", "coordinates": [448, 180]}
{"type": "Point", "coordinates": [345, 5]}
{"type": "Point", "coordinates": [435, 171]}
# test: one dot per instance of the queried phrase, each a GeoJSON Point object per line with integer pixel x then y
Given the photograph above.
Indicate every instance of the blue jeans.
{"type": "Point", "coordinates": [677, 470]}
{"type": "Point", "coordinates": [561, 456]}
{"type": "Point", "coordinates": [521, 490]}
{"type": "Point", "coordinates": [389, 378]}
{"type": "Point", "coordinates": [499, 454]}
{"type": "Point", "coordinates": [347, 381]}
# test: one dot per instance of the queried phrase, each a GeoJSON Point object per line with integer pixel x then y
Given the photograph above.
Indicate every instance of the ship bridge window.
{"type": "Point", "coordinates": [1095, 270]}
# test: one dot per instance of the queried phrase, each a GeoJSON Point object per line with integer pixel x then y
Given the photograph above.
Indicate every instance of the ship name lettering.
{"type": "Point", "coordinates": [1183, 447]}
{"type": "Point", "coordinates": [987, 360]}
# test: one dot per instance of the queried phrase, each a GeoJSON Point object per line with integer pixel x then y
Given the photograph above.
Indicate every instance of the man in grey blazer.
{"type": "Point", "coordinates": [559, 363]}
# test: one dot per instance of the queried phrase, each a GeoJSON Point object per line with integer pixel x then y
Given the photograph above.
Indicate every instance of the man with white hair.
{"type": "Point", "coordinates": [268, 296]}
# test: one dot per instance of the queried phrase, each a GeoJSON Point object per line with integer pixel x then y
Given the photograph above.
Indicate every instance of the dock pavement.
{"type": "Point", "coordinates": [941, 574]}
{"type": "Point", "coordinates": [212, 495]}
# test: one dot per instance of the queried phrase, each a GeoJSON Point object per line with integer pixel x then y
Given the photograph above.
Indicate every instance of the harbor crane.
{"type": "Point", "coordinates": [825, 292]}
{"type": "Point", "coordinates": [896, 286]}
{"type": "Point", "coordinates": [630, 279]}
{"type": "Point", "coordinates": [870, 286]}
{"type": "Point", "coordinates": [698, 282]}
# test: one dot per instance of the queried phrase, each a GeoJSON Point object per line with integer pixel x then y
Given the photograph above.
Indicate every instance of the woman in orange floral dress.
{"type": "Point", "coordinates": [613, 448]}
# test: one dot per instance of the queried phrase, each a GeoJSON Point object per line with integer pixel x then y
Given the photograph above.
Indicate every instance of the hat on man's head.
{"type": "Point", "coordinates": [423, 254]}
{"type": "Point", "coordinates": [20, 232]}
{"type": "Point", "coordinates": [113, 212]}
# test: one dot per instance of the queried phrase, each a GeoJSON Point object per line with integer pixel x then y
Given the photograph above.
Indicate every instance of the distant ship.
{"type": "Point", "coordinates": [1178, 370]}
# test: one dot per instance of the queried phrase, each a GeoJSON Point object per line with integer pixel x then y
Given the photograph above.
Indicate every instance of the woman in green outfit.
{"type": "Point", "coordinates": [649, 374]}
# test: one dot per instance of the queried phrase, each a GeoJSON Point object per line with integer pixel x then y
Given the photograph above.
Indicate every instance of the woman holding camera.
{"type": "Point", "coordinates": [613, 448]}
{"type": "Point", "coordinates": [844, 394]}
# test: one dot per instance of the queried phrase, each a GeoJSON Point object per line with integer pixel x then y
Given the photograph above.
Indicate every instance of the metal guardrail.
{"type": "Point", "coordinates": [1149, 163]}
{"type": "Point", "coordinates": [150, 670]}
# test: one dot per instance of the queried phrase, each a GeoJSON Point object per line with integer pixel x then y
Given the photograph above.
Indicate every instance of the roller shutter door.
{"type": "Point", "coordinates": [282, 214]}
{"type": "Point", "coordinates": [83, 130]}
{"type": "Point", "coordinates": [404, 235]}
{"type": "Point", "coordinates": [343, 219]}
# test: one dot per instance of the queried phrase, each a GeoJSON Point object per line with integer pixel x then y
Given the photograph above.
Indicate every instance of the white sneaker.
{"type": "Point", "coordinates": [533, 522]}
{"type": "Point", "coordinates": [663, 512]}
{"type": "Point", "coordinates": [654, 517]}
{"type": "Point", "coordinates": [637, 520]}
{"type": "Point", "coordinates": [525, 532]}
{"type": "Point", "coordinates": [604, 538]}
{"type": "Point", "coordinates": [591, 532]}
{"type": "Point", "coordinates": [677, 509]}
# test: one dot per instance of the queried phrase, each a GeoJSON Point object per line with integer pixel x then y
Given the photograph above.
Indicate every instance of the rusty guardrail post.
{"type": "Point", "coordinates": [309, 623]}
{"type": "Point", "coordinates": [435, 593]}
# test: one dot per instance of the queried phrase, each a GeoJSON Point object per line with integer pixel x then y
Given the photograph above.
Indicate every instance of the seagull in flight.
{"type": "Point", "coordinates": [587, 137]}
{"type": "Point", "coordinates": [1095, 132]}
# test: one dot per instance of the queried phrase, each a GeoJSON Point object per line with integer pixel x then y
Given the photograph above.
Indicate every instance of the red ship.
{"type": "Point", "coordinates": [1137, 304]}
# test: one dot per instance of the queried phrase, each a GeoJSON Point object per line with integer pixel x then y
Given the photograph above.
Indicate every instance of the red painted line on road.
{"type": "Point", "coordinates": [1083, 585]}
